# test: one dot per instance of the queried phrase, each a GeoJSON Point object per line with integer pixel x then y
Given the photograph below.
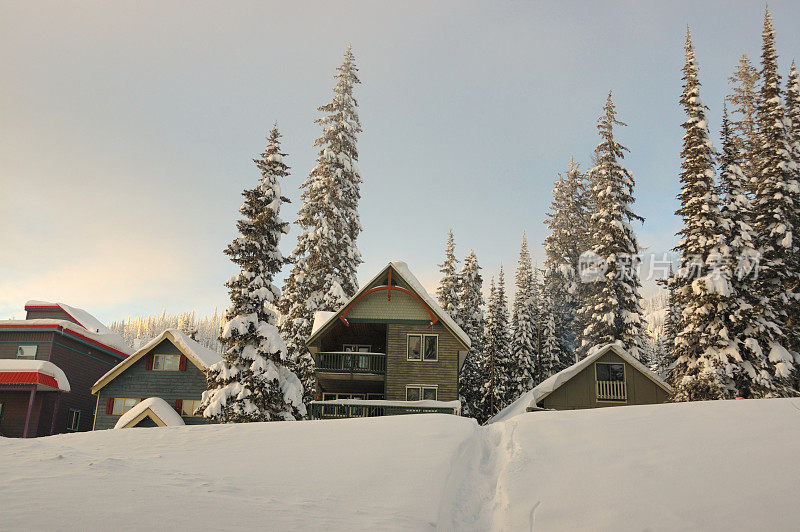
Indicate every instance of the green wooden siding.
{"type": "Point", "coordinates": [401, 372]}
{"type": "Point", "coordinates": [402, 307]}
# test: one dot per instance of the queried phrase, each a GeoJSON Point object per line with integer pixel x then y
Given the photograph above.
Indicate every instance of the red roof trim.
{"type": "Point", "coordinates": [28, 377]}
{"type": "Point", "coordinates": [62, 330]}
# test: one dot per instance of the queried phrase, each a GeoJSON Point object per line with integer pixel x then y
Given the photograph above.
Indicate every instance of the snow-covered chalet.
{"type": "Point", "coordinates": [48, 363]}
{"type": "Point", "coordinates": [389, 350]}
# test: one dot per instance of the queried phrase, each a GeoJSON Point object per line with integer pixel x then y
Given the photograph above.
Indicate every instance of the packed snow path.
{"type": "Point", "coordinates": [702, 466]}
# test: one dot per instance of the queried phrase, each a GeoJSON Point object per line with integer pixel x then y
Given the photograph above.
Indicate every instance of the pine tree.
{"type": "Point", "coordinates": [744, 126]}
{"type": "Point", "coordinates": [253, 382]}
{"type": "Point", "coordinates": [568, 223]}
{"type": "Point", "coordinates": [553, 356]}
{"type": "Point", "coordinates": [793, 117]}
{"type": "Point", "coordinates": [666, 341]}
{"type": "Point", "coordinates": [611, 308]}
{"type": "Point", "coordinates": [470, 308]}
{"type": "Point", "coordinates": [524, 339]}
{"type": "Point", "coordinates": [775, 207]}
{"type": "Point", "coordinates": [447, 293]}
{"type": "Point", "coordinates": [323, 275]}
{"type": "Point", "coordinates": [496, 385]}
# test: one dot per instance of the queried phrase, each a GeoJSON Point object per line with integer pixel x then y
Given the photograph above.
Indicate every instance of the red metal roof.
{"type": "Point", "coordinates": [28, 377]}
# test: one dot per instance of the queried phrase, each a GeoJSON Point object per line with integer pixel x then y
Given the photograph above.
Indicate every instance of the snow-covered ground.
{"type": "Point", "coordinates": [709, 466]}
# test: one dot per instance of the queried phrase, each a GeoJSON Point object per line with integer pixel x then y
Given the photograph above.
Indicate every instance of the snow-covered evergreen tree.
{"type": "Point", "coordinates": [253, 382]}
{"type": "Point", "coordinates": [775, 207]}
{"type": "Point", "coordinates": [567, 221]}
{"type": "Point", "coordinates": [553, 356]}
{"type": "Point", "coordinates": [471, 309]}
{"type": "Point", "coordinates": [793, 117]}
{"type": "Point", "coordinates": [666, 340]}
{"type": "Point", "coordinates": [323, 275]}
{"type": "Point", "coordinates": [744, 124]}
{"type": "Point", "coordinates": [611, 308]}
{"type": "Point", "coordinates": [524, 339]}
{"type": "Point", "coordinates": [137, 331]}
{"type": "Point", "coordinates": [447, 293]}
{"type": "Point", "coordinates": [496, 389]}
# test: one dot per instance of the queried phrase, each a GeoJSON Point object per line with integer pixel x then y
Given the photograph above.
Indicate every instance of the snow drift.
{"type": "Point", "coordinates": [709, 466]}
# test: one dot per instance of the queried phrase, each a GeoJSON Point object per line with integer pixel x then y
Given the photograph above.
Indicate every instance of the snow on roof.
{"type": "Point", "coordinates": [112, 340]}
{"type": "Point", "coordinates": [157, 406]}
{"type": "Point", "coordinates": [320, 319]}
{"type": "Point", "coordinates": [200, 355]}
{"type": "Point", "coordinates": [16, 365]}
{"type": "Point", "coordinates": [89, 322]}
{"type": "Point", "coordinates": [548, 386]}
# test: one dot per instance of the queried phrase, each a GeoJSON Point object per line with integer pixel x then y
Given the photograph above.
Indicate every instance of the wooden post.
{"type": "Point", "coordinates": [55, 413]}
{"type": "Point", "coordinates": [30, 409]}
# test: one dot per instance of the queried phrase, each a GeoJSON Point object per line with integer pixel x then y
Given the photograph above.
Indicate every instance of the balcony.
{"type": "Point", "coordinates": [611, 391]}
{"type": "Point", "coordinates": [356, 408]}
{"type": "Point", "coordinates": [350, 363]}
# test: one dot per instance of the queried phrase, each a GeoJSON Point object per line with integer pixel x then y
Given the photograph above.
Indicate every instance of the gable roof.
{"type": "Point", "coordinates": [200, 356]}
{"type": "Point", "coordinates": [324, 320]}
{"type": "Point", "coordinates": [112, 343]}
{"type": "Point", "coordinates": [81, 317]}
{"type": "Point", "coordinates": [156, 409]}
{"type": "Point", "coordinates": [554, 382]}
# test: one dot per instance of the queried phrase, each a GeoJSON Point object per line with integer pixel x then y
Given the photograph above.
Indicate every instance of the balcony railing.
{"type": "Point", "coordinates": [350, 362]}
{"type": "Point", "coordinates": [326, 410]}
{"type": "Point", "coordinates": [611, 390]}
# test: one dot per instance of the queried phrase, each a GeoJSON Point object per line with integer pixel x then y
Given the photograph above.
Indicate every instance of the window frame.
{"type": "Point", "coordinates": [408, 347]}
{"type": "Point", "coordinates": [20, 349]}
{"type": "Point", "coordinates": [124, 410]}
{"type": "Point", "coordinates": [77, 420]}
{"type": "Point", "coordinates": [624, 383]}
{"type": "Point", "coordinates": [422, 388]}
{"type": "Point", "coordinates": [356, 348]}
{"type": "Point", "coordinates": [194, 411]}
{"type": "Point", "coordinates": [171, 356]}
{"type": "Point", "coordinates": [424, 339]}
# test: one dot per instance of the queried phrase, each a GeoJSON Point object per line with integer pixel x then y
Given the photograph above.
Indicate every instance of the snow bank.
{"type": "Point", "coordinates": [716, 465]}
{"type": "Point", "coordinates": [36, 366]}
{"type": "Point", "coordinates": [158, 406]}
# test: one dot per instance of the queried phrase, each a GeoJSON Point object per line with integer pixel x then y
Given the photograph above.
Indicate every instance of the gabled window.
{"type": "Point", "coordinates": [166, 362]}
{"type": "Point", "coordinates": [73, 420]}
{"type": "Point", "coordinates": [27, 352]}
{"type": "Point", "coordinates": [610, 381]}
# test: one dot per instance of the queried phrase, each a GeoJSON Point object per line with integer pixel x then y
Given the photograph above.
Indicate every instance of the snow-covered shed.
{"type": "Point", "coordinates": [390, 345]}
{"type": "Point", "coordinates": [607, 376]}
{"type": "Point", "coordinates": [171, 367]}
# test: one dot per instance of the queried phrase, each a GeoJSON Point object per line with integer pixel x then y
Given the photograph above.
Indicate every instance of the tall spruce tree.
{"type": "Point", "coordinates": [323, 275]}
{"type": "Point", "coordinates": [496, 390]}
{"type": "Point", "coordinates": [553, 357]}
{"type": "Point", "coordinates": [253, 382]}
{"type": "Point", "coordinates": [567, 221]}
{"type": "Point", "coordinates": [447, 293]}
{"type": "Point", "coordinates": [775, 207]}
{"type": "Point", "coordinates": [793, 118]}
{"type": "Point", "coordinates": [611, 308]}
{"type": "Point", "coordinates": [524, 339]}
{"type": "Point", "coordinates": [471, 309]}
{"type": "Point", "coordinates": [744, 123]}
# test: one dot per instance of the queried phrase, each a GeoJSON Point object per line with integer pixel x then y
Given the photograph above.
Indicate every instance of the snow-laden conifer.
{"type": "Point", "coordinates": [567, 221]}
{"type": "Point", "coordinates": [611, 308]}
{"type": "Point", "coordinates": [744, 122]}
{"type": "Point", "coordinates": [473, 322]}
{"type": "Point", "coordinates": [793, 117]}
{"type": "Point", "coordinates": [524, 333]}
{"type": "Point", "coordinates": [496, 389]}
{"type": "Point", "coordinates": [553, 356]}
{"type": "Point", "coordinates": [323, 275]}
{"type": "Point", "coordinates": [447, 293]}
{"type": "Point", "coordinates": [775, 206]}
{"type": "Point", "coordinates": [253, 381]}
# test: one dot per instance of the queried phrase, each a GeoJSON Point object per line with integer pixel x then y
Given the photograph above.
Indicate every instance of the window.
{"type": "Point", "coordinates": [189, 408]}
{"type": "Point", "coordinates": [349, 348]}
{"type": "Point", "coordinates": [414, 347]}
{"type": "Point", "coordinates": [166, 362]}
{"type": "Point", "coordinates": [610, 372]}
{"type": "Point", "coordinates": [27, 351]}
{"type": "Point", "coordinates": [417, 392]}
{"type": "Point", "coordinates": [431, 347]}
{"type": "Point", "coordinates": [122, 405]}
{"type": "Point", "coordinates": [73, 420]}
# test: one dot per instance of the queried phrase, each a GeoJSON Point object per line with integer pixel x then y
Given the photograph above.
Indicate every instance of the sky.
{"type": "Point", "coordinates": [127, 130]}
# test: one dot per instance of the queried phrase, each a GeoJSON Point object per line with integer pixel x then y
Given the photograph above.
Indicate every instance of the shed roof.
{"type": "Point", "coordinates": [201, 356]}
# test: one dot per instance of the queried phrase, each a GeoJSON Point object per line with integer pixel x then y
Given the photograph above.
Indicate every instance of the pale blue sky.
{"type": "Point", "coordinates": [127, 129]}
